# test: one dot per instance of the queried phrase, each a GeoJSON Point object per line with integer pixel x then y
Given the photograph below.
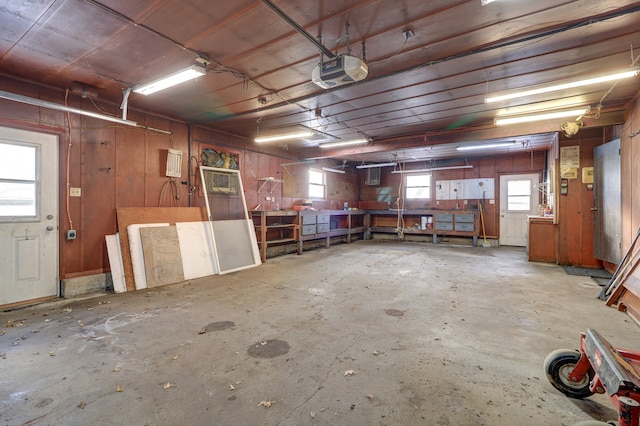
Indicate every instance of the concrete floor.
{"type": "Point", "coordinates": [370, 333]}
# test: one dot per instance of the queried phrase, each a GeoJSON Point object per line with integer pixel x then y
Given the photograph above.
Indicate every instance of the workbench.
{"type": "Point", "coordinates": [453, 223]}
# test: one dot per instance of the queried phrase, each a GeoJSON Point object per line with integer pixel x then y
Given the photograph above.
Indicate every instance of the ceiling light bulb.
{"type": "Point", "coordinates": [485, 146]}
{"type": "Point", "coordinates": [431, 169]}
{"type": "Point", "coordinates": [344, 143]}
{"type": "Point", "coordinates": [540, 117]}
{"type": "Point", "coordinates": [283, 137]}
{"type": "Point", "coordinates": [370, 166]}
{"type": "Point", "coordinates": [332, 170]}
{"type": "Point", "coordinates": [171, 80]}
{"type": "Point", "coordinates": [570, 85]}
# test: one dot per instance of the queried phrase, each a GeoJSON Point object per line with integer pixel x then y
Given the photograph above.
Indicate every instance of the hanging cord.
{"type": "Point", "coordinates": [68, 166]}
{"type": "Point", "coordinates": [175, 191]}
{"type": "Point", "coordinates": [400, 204]}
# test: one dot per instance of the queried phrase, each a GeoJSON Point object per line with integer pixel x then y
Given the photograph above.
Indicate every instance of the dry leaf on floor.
{"type": "Point", "coordinates": [52, 354]}
{"type": "Point", "coordinates": [115, 370]}
{"type": "Point", "coordinates": [119, 389]}
{"type": "Point", "coordinates": [202, 331]}
{"type": "Point", "coordinates": [169, 385]}
{"type": "Point", "coordinates": [67, 310]}
{"type": "Point", "coordinates": [81, 404]}
{"type": "Point", "coordinates": [175, 357]}
{"type": "Point", "coordinates": [369, 396]}
{"type": "Point", "coordinates": [266, 404]}
{"type": "Point", "coordinates": [312, 414]}
{"type": "Point", "coordinates": [231, 387]}
{"type": "Point", "coordinates": [350, 372]}
{"type": "Point", "coordinates": [3, 355]}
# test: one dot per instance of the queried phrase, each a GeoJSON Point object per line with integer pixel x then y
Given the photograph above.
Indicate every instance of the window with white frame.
{"type": "Point", "coordinates": [418, 186]}
{"type": "Point", "coordinates": [519, 195]}
{"type": "Point", "coordinates": [317, 184]}
{"type": "Point", "coordinates": [18, 184]}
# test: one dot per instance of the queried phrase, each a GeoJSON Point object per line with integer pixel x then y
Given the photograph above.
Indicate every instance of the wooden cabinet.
{"type": "Point", "coordinates": [325, 224]}
{"type": "Point", "coordinates": [542, 240]}
{"type": "Point", "coordinates": [460, 223]}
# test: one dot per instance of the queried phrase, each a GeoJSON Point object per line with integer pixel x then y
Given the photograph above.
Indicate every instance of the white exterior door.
{"type": "Point", "coordinates": [518, 199]}
{"type": "Point", "coordinates": [28, 215]}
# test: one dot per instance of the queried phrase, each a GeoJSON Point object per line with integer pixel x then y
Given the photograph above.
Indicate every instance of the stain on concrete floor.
{"type": "Point", "coordinates": [268, 348]}
{"type": "Point", "coordinates": [471, 352]}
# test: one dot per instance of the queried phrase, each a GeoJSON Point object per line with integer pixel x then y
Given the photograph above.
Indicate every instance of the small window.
{"type": "Point", "coordinates": [17, 180]}
{"type": "Point", "coordinates": [317, 184]}
{"type": "Point", "coordinates": [418, 186]}
{"type": "Point", "coordinates": [519, 195]}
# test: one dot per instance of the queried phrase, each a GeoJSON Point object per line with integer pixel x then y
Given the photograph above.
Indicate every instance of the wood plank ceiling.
{"type": "Point", "coordinates": [430, 65]}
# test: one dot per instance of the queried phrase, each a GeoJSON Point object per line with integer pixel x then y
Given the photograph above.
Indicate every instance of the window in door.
{"type": "Point", "coordinates": [18, 195]}
{"type": "Point", "coordinates": [317, 184]}
{"type": "Point", "coordinates": [518, 195]}
{"type": "Point", "coordinates": [418, 186]}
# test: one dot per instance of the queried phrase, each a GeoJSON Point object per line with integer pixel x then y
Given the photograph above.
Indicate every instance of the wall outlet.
{"type": "Point", "coordinates": [75, 192]}
{"type": "Point", "coordinates": [71, 234]}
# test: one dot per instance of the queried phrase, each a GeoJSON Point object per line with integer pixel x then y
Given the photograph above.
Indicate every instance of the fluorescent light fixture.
{"type": "Point", "coordinates": [432, 169]}
{"type": "Point", "coordinates": [329, 169]}
{"type": "Point", "coordinates": [486, 2]}
{"type": "Point", "coordinates": [369, 166]}
{"type": "Point", "coordinates": [539, 117]}
{"type": "Point", "coordinates": [171, 80]}
{"type": "Point", "coordinates": [485, 146]}
{"type": "Point", "coordinates": [570, 85]}
{"type": "Point", "coordinates": [344, 143]}
{"type": "Point", "coordinates": [285, 136]}
{"type": "Point", "coordinates": [51, 105]}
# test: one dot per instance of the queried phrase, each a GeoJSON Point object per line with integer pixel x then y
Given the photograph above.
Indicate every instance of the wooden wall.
{"type": "Point", "coordinates": [121, 166]}
{"type": "Point", "coordinates": [576, 220]}
{"type": "Point", "coordinates": [630, 170]}
{"type": "Point", "coordinates": [386, 194]}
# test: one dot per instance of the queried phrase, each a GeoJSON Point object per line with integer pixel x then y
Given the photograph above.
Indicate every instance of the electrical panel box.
{"type": "Point", "coordinates": [373, 176]}
{"type": "Point", "coordinates": [174, 163]}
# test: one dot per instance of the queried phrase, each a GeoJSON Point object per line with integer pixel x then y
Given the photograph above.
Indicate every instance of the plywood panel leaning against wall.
{"type": "Point", "coordinates": [137, 215]}
{"type": "Point", "coordinates": [623, 289]}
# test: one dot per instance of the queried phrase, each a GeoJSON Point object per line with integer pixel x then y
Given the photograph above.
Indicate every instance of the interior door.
{"type": "Point", "coordinates": [518, 200]}
{"type": "Point", "coordinates": [28, 215]}
{"type": "Point", "coordinates": [607, 198]}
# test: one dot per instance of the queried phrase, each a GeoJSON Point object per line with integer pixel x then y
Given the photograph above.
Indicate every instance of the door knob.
{"type": "Point", "coordinates": [50, 228]}
{"type": "Point", "coordinates": [594, 209]}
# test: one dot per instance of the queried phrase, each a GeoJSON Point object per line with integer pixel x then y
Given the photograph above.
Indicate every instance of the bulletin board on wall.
{"type": "Point", "coordinates": [466, 189]}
